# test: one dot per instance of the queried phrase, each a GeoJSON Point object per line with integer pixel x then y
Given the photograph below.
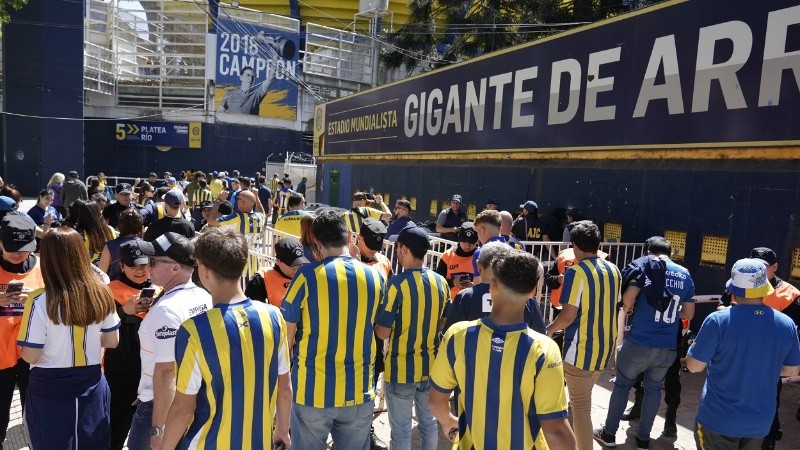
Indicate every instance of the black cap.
{"type": "Point", "coordinates": [18, 233]}
{"type": "Point", "coordinates": [131, 253]}
{"type": "Point", "coordinates": [206, 204]}
{"type": "Point", "coordinates": [373, 232]}
{"type": "Point", "coordinates": [289, 251]}
{"type": "Point", "coordinates": [123, 187]}
{"type": "Point", "coordinates": [493, 201]}
{"type": "Point", "coordinates": [172, 245]}
{"type": "Point", "coordinates": [467, 233]}
{"type": "Point", "coordinates": [415, 238]}
{"type": "Point", "coordinates": [764, 253]}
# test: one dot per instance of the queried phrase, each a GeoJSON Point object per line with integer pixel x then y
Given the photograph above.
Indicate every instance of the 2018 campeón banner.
{"type": "Point", "coordinates": [255, 70]}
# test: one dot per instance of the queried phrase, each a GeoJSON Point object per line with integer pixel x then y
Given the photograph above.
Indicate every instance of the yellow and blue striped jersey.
{"type": "Point", "coordinates": [230, 357]}
{"type": "Point", "coordinates": [592, 286]}
{"type": "Point", "coordinates": [250, 225]}
{"type": "Point", "coordinates": [334, 303]}
{"type": "Point", "coordinates": [355, 217]}
{"type": "Point", "coordinates": [282, 200]}
{"type": "Point", "coordinates": [510, 378]}
{"type": "Point", "coordinates": [412, 308]}
{"type": "Point", "coordinates": [202, 195]}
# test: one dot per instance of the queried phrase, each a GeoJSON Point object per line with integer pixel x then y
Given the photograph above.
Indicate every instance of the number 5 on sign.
{"type": "Point", "coordinates": [120, 134]}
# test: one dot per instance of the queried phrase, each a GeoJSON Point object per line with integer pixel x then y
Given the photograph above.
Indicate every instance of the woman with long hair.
{"type": "Point", "coordinates": [146, 193]}
{"type": "Point", "coordinates": [55, 184]}
{"type": "Point", "coordinates": [84, 216]}
{"type": "Point", "coordinates": [62, 334]}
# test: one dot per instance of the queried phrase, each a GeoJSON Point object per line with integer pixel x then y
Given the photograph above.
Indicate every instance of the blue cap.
{"type": "Point", "coordinates": [530, 206]}
{"type": "Point", "coordinates": [415, 238]}
{"type": "Point", "coordinates": [7, 203]}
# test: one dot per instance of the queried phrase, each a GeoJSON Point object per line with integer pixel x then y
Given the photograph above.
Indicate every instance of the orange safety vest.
{"type": "Point", "coordinates": [456, 265]}
{"type": "Point", "coordinates": [11, 315]}
{"type": "Point", "coordinates": [122, 293]}
{"type": "Point", "coordinates": [782, 297]}
{"type": "Point", "coordinates": [383, 265]}
{"type": "Point", "coordinates": [275, 285]}
{"type": "Point", "coordinates": [566, 259]}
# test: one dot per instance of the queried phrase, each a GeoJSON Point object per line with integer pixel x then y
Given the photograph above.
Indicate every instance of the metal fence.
{"type": "Point", "coordinates": [618, 253]}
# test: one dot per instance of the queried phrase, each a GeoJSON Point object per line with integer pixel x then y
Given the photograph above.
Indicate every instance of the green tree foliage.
{"type": "Point", "coordinates": [446, 31]}
{"type": "Point", "coordinates": [6, 6]}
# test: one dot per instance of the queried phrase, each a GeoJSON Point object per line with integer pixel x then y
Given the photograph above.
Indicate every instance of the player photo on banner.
{"type": "Point", "coordinates": [256, 70]}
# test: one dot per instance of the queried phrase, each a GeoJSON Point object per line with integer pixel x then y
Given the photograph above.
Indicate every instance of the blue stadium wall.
{"type": "Point", "coordinates": [752, 203]}
{"type": "Point", "coordinates": [224, 147]}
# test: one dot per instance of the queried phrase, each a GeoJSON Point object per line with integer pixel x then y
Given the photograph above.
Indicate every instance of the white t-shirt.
{"type": "Point", "coordinates": [160, 325]}
{"type": "Point", "coordinates": [62, 345]}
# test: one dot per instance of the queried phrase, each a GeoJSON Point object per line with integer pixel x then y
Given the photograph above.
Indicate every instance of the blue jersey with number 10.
{"type": "Point", "coordinates": [655, 329]}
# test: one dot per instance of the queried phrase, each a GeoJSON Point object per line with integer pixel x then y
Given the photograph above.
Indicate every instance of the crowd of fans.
{"type": "Point", "coordinates": [148, 320]}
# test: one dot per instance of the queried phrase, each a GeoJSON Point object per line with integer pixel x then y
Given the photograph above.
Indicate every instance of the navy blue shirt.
{"type": "Point", "coordinates": [37, 214]}
{"type": "Point", "coordinates": [264, 195]}
{"type": "Point", "coordinates": [398, 224]}
{"type": "Point", "coordinates": [475, 303]}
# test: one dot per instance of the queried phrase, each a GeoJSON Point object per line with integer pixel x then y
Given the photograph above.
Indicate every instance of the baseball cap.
{"type": "Point", "coordinates": [215, 174]}
{"type": "Point", "coordinates": [206, 204]}
{"type": "Point", "coordinates": [7, 203]}
{"type": "Point", "coordinates": [529, 206]}
{"type": "Point", "coordinates": [456, 198]}
{"type": "Point", "coordinates": [174, 198]}
{"type": "Point", "coordinates": [171, 181]}
{"type": "Point", "coordinates": [289, 251]}
{"type": "Point", "coordinates": [373, 232]}
{"type": "Point", "coordinates": [172, 245]}
{"type": "Point", "coordinates": [18, 233]}
{"type": "Point", "coordinates": [749, 279]}
{"type": "Point", "coordinates": [764, 253]}
{"type": "Point", "coordinates": [415, 238]}
{"type": "Point", "coordinates": [493, 201]}
{"type": "Point", "coordinates": [131, 253]}
{"type": "Point", "coordinates": [123, 187]}
{"type": "Point", "coordinates": [467, 233]}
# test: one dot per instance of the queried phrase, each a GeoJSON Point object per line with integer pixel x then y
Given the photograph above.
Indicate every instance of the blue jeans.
{"type": "Point", "coordinates": [633, 360]}
{"type": "Point", "coordinates": [348, 425]}
{"type": "Point", "coordinates": [139, 436]}
{"type": "Point", "coordinates": [400, 398]}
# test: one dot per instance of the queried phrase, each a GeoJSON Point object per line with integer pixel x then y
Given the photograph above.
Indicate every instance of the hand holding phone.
{"type": "Point", "coordinates": [146, 296]}
{"type": "Point", "coordinates": [14, 287]}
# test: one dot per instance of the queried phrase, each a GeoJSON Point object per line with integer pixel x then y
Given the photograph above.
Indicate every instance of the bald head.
{"type": "Point", "coordinates": [245, 201]}
{"type": "Point", "coordinates": [505, 223]}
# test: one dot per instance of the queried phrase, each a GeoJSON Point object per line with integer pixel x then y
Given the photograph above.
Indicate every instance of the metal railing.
{"type": "Point", "coordinates": [339, 55]}
{"type": "Point", "coordinates": [618, 253]}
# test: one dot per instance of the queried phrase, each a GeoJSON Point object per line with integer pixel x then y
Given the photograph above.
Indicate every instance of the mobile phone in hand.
{"type": "Point", "coordinates": [14, 286]}
{"type": "Point", "coordinates": [146, 296]}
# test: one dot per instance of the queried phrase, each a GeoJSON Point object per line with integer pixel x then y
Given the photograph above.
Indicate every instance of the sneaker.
{"type": "Point", "coordinates": [642, 445]}
{"type": "Point", "coordinates": [605, 439]}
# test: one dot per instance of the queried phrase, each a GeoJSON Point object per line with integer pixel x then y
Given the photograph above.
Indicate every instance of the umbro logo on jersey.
{"type": "Point", "coordinates": [647, 282]}
{"type": "Point", "coordinates": [166, 333]}
{"type": "Point", "coordinates": [497, 345]}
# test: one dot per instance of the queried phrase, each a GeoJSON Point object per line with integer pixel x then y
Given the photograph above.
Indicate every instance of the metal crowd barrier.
{"type": "Point", "coordinates": [618, 253]}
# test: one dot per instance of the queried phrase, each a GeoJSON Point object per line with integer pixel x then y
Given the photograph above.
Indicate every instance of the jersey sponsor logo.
{"type": "Point", "coordinates": [758, 312]}
{"type": "Point", "coordinates": [553, 365]}
{"type": "Point", "coordinates": [166, 333]}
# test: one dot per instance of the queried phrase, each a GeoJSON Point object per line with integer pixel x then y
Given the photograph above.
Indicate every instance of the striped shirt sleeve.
{"type": "Point", "coordinates": [111, 323]}
{"type": "Point", "coordinates": [189, 378]}
{"type": "Point", "coordinates": [33, 329]}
